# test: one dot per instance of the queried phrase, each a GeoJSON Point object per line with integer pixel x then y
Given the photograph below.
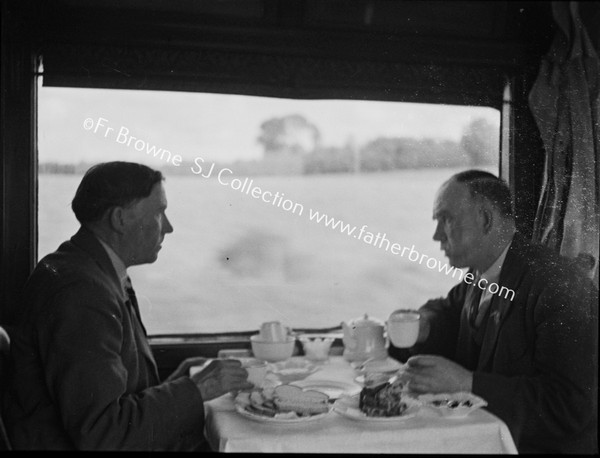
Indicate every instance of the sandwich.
{"type": "Point", "coordinates": [289, 398]}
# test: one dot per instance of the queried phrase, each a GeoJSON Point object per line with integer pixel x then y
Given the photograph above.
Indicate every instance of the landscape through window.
{"type": "Point", "coordinates": [282, 209]}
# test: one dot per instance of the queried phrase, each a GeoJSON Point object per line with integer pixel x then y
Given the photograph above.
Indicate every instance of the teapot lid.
{"type": "Point", "coordinates": [365, 322]}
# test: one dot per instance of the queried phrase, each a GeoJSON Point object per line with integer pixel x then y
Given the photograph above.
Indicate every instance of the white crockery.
{"type": "Point", "coordinates": [273, 331]}
{"type": "Point", "coordinates": [272, 351]}
{"type": "Point", "coordinates": [292, 370]}
{"type": "Point", "coordinates": [363, 339]}
{"type": "Point", "coordinates": [348, 406]}
{"type": "Point", "coordinates": [453, 405]}
{"type": "Point", "coordinates": [403, 328]}
{"type": "Point", "coordinates": [316, 348]}
{"type": "Point", "coordinates": [257, 371]}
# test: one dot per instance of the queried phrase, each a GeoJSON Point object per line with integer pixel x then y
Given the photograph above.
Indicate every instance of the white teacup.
{"type": "Point", "coordinates": [257, 371]}
{"type": "Point", "coordinates": [273, 331]}
{"type": "Point", "coordinates": [403, 328]}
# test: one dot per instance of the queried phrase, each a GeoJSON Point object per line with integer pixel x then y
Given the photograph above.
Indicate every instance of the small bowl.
{"type": "Point", "coordinates": [316, 348]}
{"type": "Point", "coordinates": [272, 351]}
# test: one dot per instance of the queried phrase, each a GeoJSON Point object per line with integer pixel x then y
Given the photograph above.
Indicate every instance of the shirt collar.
{"type": "Point", "coordinates": [492, 275]}
{"type": "Point", "coordinates": [117, 263]}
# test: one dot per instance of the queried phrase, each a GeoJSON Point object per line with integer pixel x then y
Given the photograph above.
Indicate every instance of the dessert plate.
{"type": "Point", "coordinates": [387, 365]}
{"type": "Point", "coordinates": [361, 379]}
{"type": "Point", "coordinates": [453, 405]}
{"type": "Point", "coordinates": [347, 406]}
{"type": "Point", "coordinates": [290, 371]}
{"type": "Point", "coordinates": [332, 388]}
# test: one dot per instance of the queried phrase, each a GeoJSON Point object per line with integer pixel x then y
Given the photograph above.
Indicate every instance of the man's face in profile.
{"type": "Point", "coordinates": [147, 225]}
{"type": "Point", "coordinates": [458, 229]}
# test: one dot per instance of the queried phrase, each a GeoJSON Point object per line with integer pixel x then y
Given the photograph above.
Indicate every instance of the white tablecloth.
{"type": "Point", "coordinates": [427, 432]}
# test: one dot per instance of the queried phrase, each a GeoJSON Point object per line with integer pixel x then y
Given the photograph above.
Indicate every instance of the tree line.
{"type": "Point", "coordinates": [292, 145]}
{"type": "Point", "coordinates": [294, 136]}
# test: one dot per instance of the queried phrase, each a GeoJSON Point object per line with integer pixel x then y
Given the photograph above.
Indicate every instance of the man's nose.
{"type": "Point", "coordinates": [167, 227]}
{"type": "Point", "coordinates": [439, 235]}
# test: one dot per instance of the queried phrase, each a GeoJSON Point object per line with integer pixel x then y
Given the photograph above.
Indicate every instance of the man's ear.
{"type": "Point", "coordinates": [116, 219]}
{"type": "Point", "coordinates": [487, 216]}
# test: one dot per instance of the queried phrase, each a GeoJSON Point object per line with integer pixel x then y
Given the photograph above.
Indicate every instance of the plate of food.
{"type": "Point", "coordinates": [453, 405]}
{"type": "Point", "coordinates": [292, 370]}
{"type": "Point", "coordinates": [334, 389]}
{"type": "Point", "coordinates": [387, 402]}
{"type": "Point", "coordinates": [282, 404]}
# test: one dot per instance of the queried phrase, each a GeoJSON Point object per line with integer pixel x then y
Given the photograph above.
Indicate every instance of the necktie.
{"type": "Point", "coordinates": [134, 303]}
{"type": "Point", "coordinates": [473, 300]}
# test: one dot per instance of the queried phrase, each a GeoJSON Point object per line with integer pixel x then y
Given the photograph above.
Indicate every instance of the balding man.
{"type": "Point", "coordinates": [84, 376]}
{"type": "Point", "coordinates": [530, 352]}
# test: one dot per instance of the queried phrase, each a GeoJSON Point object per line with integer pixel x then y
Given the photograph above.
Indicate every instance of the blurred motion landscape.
{"type": "Point", "coordinates": [234, 261]}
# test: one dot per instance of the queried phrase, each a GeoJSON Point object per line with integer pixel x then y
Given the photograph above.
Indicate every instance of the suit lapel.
{"type": "Point", "coordinates": [87, 241]}
{"type": "Point", "coordinates": [511, 275]}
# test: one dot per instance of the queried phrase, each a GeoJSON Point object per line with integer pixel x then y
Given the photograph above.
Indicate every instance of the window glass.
{"type": "Point", "coordinates": [310, 212]}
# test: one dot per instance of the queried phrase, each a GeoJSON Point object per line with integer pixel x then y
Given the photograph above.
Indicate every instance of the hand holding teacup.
{"type": "Point", "coordinates": [403, 328]}
{"type": "Point", "coordinates": [257, 371]}
{"type": "Point", "coordinates": [219, 377]}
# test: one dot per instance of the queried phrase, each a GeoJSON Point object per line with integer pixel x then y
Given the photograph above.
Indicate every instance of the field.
{"type": "Point", "coordinates": [235, 261]}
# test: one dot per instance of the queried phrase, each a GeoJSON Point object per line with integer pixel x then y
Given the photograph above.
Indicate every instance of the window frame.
{"type": "Point", "coordinates": [60, 41]}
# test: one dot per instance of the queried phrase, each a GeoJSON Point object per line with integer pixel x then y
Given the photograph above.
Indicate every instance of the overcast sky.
{"type": "Point", "coordinates": [220, 127]}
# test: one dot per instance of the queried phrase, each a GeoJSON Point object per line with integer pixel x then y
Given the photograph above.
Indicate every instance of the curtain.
{"type": "Point", "coordinates": [565, 102]}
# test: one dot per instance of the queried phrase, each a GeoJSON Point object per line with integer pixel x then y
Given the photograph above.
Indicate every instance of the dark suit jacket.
{"type": "Point", "coordinates": [538, 363]}
{"type": "Point", "coordinates": [84, 376]}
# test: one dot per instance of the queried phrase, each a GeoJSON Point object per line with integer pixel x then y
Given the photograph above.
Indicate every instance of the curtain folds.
{"type": "Point", "coordinates": [565, 102]}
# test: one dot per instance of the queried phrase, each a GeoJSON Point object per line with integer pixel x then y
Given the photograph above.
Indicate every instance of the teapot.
{"type": "Point", "coordinates": [364, 339]}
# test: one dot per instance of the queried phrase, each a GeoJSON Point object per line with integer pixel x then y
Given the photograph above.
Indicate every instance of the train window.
{"type": "Point", "coordinates": [304, 211]}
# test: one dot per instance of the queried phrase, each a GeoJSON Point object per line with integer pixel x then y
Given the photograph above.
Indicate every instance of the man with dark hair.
{"type": "Point", "coordinates": [112, 184]}
{"type": "Point", "coordinates": [531, 356]}
{"type": "Point", "coordinates": [83, 375]}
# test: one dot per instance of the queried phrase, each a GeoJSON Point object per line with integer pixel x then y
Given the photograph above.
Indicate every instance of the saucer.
{"type": "Point", "coordinates": [383, 366]}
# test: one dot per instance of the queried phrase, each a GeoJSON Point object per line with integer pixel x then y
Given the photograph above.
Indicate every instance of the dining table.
{"type": "Point", "coordinates": [426, 431]}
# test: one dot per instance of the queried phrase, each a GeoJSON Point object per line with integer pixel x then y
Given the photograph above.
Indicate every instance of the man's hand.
{"type": "Point", "coordinates": [184, 367]}
{"type": "Point", "coordinates": [221, 376]}
{"type": "Point", "coordinates": [435, 374]}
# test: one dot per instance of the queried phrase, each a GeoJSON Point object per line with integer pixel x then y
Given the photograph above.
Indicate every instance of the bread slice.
{"type": "Point", "coordinates": [289, 398]}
